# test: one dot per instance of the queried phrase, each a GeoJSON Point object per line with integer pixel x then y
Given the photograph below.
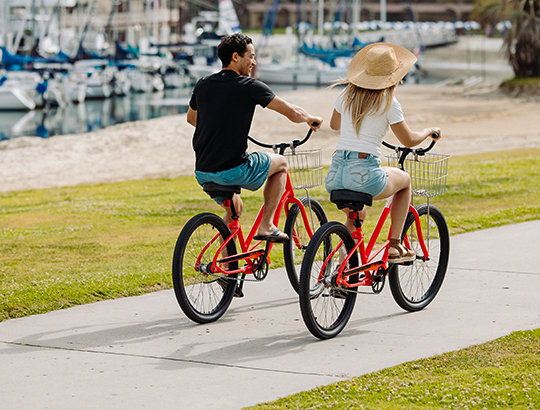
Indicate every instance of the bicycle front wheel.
{"type": "Point", "coordinates": [203, 296]}
{"type": "Point", "coordinates": [414, 286]}
{"type": "Point", "coordinates": [326, 308]}
{"type": "Point", "coordinates": [295, 228]}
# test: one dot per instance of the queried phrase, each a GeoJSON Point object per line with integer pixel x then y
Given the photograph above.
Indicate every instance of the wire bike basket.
{"type": "Point", "coordinates": [428, 172]}
{"type": "Point", "coordinates": [305, 168]}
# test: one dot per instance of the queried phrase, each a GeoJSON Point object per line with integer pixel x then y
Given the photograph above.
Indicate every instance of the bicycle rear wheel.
{"type": "Point", "coordinates": [203, 296]}
{"type": "Point", "coordinates": [326, 308]}
{"type": "Point", "coordinates": [295, 228]}
{"type": "Point", "coordinates": [415, 286]}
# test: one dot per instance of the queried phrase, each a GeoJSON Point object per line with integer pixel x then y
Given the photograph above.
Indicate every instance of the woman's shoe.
{"type": "Point", "coordinates": [403, 255]}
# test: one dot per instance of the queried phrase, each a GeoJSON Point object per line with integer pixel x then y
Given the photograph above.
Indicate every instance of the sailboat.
{"type": "Point", "coordinates": [203, 47]}
{"type": "Point", "coordinates": [15, 98]}
{"type": "Point", "coordinates": [310, 66]}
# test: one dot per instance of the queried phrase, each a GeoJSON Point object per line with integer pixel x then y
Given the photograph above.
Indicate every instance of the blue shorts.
{"type": "Point", "coordinates": [362, 175]}
{"type": "Point", "coordinates": [251, 175]}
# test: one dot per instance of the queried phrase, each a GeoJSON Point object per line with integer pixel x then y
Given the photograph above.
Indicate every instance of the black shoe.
{"type": "Point", "coordinates": [223, 283]}
{"type": "Point", "coordinates": [277, 236]}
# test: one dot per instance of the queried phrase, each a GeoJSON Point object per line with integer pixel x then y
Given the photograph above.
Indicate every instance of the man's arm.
{"type": "Point", "coordinates": [294, 113]}
{"type": "Point", "coordinates": [192, 117]}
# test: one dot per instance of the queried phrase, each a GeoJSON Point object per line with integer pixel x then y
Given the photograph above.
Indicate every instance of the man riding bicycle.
{"type": "Point", "coordinates": [221, 109]}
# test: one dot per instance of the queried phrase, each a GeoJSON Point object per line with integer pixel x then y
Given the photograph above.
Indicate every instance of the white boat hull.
{"type": "Point", "coordinates": [15, 99]}
{"type": "Point", "coordinates": [299, 75]}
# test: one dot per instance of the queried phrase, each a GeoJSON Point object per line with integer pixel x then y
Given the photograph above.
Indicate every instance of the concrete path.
{"type": "Point", "coordinates": [143, 353]}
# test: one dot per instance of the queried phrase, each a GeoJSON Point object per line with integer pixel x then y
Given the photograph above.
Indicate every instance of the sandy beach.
{"type": "Point", "coordinates": [475, 119]}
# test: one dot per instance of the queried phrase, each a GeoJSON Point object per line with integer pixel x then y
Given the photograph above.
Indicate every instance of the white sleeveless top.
{"type": "Point", "coordinates": [373, 128]}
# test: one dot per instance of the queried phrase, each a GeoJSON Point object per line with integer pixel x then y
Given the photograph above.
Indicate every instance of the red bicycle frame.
{"type": "Point", "coordinates": [369, 261]}
{"type": "Point", "coordinates": [247, 250]}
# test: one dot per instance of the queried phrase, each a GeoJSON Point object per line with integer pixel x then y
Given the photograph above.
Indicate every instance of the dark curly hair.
{"type": "Point", "coordinates": [235, 43]}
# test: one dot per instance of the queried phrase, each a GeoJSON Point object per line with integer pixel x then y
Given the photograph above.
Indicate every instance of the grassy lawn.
{"type": "Point", "coordinates": [501, 374]}
{"type": "Point", "coordinates": [68, 246]}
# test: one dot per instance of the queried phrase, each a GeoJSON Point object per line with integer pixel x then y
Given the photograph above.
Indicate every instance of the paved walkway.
{"type": "Point", "coordinates": [142, 352]}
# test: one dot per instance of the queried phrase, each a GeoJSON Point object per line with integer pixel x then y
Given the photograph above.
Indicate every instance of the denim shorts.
{"type": "Point", "coordinates": [251, 175]}
{"type": "Point", "coordinates": [362, 175]}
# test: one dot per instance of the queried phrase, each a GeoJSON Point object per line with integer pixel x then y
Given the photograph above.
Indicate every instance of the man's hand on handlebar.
{"type": "Point", "coordinates": [315, 123]}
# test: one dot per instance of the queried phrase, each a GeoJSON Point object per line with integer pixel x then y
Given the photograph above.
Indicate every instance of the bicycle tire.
{"type": "Point", "coordinates": [415, 286]}
{"type": "Point", "coordinates": [198, 292]}
{"type": "Point", "coordinates": [295, 228]}
{"type": "Point", "coordinates": [323, 311]}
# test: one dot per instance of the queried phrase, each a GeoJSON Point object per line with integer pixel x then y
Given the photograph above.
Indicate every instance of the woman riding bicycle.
{"type": "Point", "coordinates": [363, 112]}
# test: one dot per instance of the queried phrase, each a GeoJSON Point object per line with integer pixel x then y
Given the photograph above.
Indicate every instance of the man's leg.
{"type": "Point", "coordinates": [238, 207]}
{"type": "Point", "coordinates": [273, 190]}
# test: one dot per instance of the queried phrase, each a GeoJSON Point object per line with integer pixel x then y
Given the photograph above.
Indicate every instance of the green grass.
{"type": "Point", "coordinates": [522, 86]}
{"type": "Point", "coordinates": [520, 81]}
{"type": "Point", "coordinates": [68, 246]}
{"type": "Point", "coordinates": [501, 374]}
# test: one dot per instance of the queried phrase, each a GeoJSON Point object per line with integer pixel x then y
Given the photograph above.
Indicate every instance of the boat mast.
{"type": "Point", "coordinates": [383, 18]}
{"type": "Point", "coordinates": [357, 6]}
{"type": "Point", "coordinates": [85, 30]}
{"type": "Point", "coordinates": [155, 22]}
{"type": "Point", "coordinates": [320, 21]}
{"type": "Point", "coordinates": [4, 9]}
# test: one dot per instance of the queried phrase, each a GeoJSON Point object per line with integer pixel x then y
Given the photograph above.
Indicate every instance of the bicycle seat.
{"type": "Point", "coordinates": [216, 190]}
{"type": "Point", "coordinates": [345, 198]}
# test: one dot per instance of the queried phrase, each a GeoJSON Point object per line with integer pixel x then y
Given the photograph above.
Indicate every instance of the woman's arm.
{"type": "Point", "coordinates": [335, 121]}
{"type": "Point", "coordinates": [412, 138]}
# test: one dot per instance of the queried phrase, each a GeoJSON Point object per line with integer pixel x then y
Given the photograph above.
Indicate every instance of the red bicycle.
{"type": "Point", "coordinates": [332, 274]}
{"type": "Point", "coordinates": [208, 271]}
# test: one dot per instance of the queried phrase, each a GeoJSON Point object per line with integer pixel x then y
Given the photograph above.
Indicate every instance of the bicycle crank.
{"type": "Point", "coordinates": [378, 280]}
{"type": "Point", "coordinates": [260, 265]}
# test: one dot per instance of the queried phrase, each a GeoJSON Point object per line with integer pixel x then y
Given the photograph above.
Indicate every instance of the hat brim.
{"type": "Point", "coordinates": [357, 75]}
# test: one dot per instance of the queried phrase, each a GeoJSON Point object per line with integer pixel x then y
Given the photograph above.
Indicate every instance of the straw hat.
{"type": "Point", "coordinates": [380, 65]}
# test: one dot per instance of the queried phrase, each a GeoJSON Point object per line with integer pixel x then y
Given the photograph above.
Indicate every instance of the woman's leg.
{"type": "Point", "coordinates": [349, 223]}
{"type": "Point", "coordinates": [399, 185]}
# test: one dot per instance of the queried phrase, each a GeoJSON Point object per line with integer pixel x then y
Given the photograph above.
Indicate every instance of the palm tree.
{"type": "Point", "coordinates": [522, 40]}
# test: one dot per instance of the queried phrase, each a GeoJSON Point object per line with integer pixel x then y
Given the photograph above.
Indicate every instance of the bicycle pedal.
{"type": "Point", "coordinates": [407, 263]}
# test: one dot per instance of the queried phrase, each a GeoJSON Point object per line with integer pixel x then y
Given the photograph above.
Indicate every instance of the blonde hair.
{"type": "Point", "coordinates": [359, 102]}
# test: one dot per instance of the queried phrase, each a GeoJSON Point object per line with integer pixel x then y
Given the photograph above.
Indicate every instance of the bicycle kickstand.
{"type": "Point", "coordinates": [238, 293]}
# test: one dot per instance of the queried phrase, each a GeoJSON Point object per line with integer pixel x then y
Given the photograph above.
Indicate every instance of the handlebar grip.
{"type": "Point", "coordinates": [435, 135]}
{"type": "Point", "coordinates": [424, 150]}
{"type": "Point", "coordinates": [315, 123]}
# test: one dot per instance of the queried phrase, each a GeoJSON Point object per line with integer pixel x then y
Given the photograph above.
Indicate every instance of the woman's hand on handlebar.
{"type": "Point", "coordinates": [433, 132]}
{"type": "Point", "coordinates": [315, 123]}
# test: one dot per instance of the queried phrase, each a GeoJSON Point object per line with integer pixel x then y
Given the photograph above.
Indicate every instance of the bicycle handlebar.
{"type": "Point", "coordinates": [284, 145]}
{"type": "Point", "coordinates": [416, 151]}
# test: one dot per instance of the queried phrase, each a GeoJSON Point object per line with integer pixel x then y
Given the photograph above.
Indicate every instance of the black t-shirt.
{"type": "Point", "coordinates": [225, 103]}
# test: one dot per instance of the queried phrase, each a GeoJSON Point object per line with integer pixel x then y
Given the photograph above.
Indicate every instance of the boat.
{"type": "Point", "coordinates": [93, 74]}
{"type": "Point", "coordinates": [203, 35]}
{"type": "Point", "coordinates": [301, 72]}
{"type": "Point", "coordinates": [140, 81]}
{"type": "Point", "coordinates": [173, 76]}
{"type": "Point", "coordinates": [15, 99]}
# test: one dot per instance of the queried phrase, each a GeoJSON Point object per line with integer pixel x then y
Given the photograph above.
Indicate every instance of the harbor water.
{"type": "Point", "coordinates": [472, 58]}
{"type": "Point", "coordinates": [93, 115]}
